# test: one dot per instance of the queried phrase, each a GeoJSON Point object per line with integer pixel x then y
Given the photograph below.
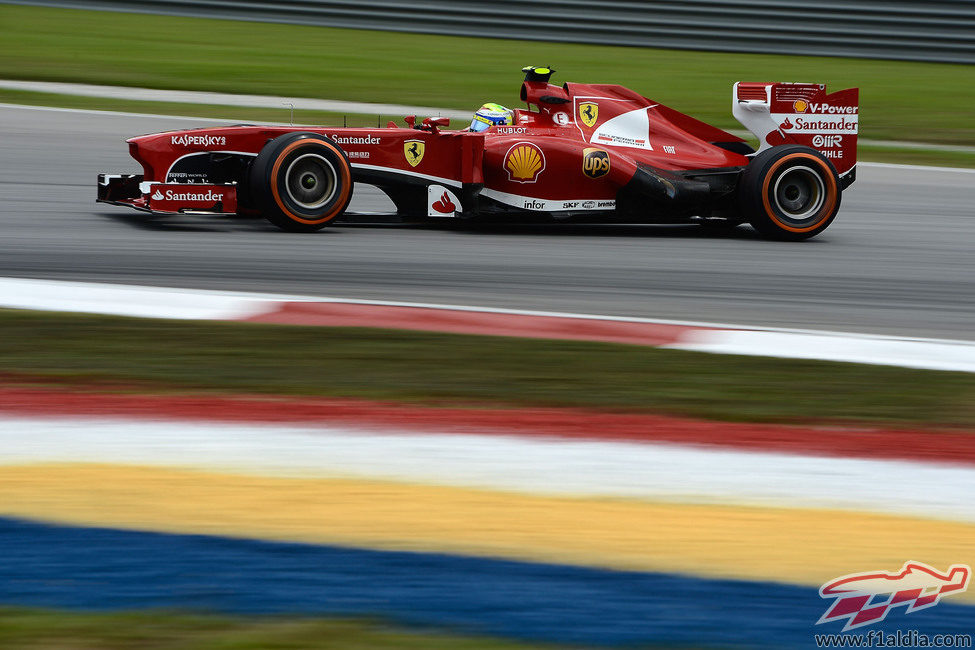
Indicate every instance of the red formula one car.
{"type": "Point", "coordinates": [595, 152]}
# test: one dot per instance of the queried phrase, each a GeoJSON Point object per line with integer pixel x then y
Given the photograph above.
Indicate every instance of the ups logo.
{"type": "Point", "coordinates": [595, 163]}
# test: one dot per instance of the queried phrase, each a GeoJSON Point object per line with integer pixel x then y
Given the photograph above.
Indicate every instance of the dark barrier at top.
{"type": "Point", "coordinates": [885, 29]}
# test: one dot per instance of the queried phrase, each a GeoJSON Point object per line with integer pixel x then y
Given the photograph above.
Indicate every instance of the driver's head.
{"type": "Point", "coordinates": [491, 115]}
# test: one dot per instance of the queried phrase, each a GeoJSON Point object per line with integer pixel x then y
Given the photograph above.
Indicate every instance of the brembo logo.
{"type": "Point", "coordinates": [199, 140]}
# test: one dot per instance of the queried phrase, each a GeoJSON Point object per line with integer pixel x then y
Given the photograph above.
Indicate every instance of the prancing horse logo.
{"type": "Point", "coordinates": [413, 150]}
{"type": "Point", "coordinates": [588, 112]}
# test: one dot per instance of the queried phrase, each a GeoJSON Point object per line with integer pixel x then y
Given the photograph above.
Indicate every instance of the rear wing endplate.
{"type": "Point", "coordinates": [802, 113]}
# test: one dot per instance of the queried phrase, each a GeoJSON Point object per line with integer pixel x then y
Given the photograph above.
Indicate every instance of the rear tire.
{"type": "Point", "coordinates": [301, 181]}
{"type": "Point", "coordinates": [789, 192]}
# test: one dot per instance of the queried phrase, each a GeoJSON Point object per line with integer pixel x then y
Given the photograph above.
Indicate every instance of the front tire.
{"type": "Point", "coordinates": [789, 192]}
{"type": "Point", "coordinates": [301, 181]}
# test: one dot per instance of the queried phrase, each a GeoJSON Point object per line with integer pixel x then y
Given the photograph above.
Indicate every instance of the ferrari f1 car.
{"type": "Point", "coordinates": [593, 152]}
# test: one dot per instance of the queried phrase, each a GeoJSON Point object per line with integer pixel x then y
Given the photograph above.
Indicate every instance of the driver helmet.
{"type": "Point", "coordinates": [491, 115]}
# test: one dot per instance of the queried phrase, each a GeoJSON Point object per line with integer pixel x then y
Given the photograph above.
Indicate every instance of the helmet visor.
{"type": "Point", "coordinates": [480, 124]}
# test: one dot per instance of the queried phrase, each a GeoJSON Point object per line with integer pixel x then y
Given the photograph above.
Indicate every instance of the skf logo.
{"type": "Point", "coordinates": [866, 598]}
{"type": "Point", "coordinates": [595, 162]}
{"type": "Point", "coordinates": [524, 162]}
{"type": "Point", "coordinates": [413, 150]}
{"type": "Point", "coordinates": [588, 112]}
{"type": "Point", "coordinates": [800, 106]}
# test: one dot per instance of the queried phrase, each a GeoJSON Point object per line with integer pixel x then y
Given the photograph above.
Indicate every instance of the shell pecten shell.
{"type": "Point", "coordinates": [524, 162]}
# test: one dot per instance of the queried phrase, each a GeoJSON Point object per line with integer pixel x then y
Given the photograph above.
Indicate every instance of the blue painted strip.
{"type": "Point", "coordinates": [96, 568]}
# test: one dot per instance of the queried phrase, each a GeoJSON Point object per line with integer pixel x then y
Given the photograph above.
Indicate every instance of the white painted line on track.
{"type": "Point", "coordinates": [922, 354]}
{"type": "Point", "coordinates": [94, 111]}
{"type": "Point", "coordinates": [922, 168]}
{"type": "Point", "coordinates": [160, 302]}
{"type": "Point", "coordinates": [649, 471]}
{"type": "Point", "coordinates": [130, 300]}
{"type": "Point", "coordinates": [129, 93]}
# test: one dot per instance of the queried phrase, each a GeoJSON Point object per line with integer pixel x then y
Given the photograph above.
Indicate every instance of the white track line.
{"type": "Point", "coordinates": [159, 302]}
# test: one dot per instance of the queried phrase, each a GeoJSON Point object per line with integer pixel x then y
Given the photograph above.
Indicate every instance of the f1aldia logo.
{"type": "Point", "coordinates": [595, 162]}
{"type": "Point", "coordinates": [866, 598]}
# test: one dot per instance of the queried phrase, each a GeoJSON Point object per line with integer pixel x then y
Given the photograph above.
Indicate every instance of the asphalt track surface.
{"type": "Point", "coordinates": [898, 260]}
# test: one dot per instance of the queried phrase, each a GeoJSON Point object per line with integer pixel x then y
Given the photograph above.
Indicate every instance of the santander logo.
{"type": "Point", "coordinates": [208, 196]}
{"type": "Point", "coordinates": [444, 205]}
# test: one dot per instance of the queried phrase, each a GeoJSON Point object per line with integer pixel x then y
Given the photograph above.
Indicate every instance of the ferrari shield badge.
{"type": "Point", "coordinates": [588, 112]}
{"type": "Point", "coordinates": [413, 150]}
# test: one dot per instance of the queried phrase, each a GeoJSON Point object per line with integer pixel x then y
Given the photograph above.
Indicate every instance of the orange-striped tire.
{"type": "Point", "coordinates": [301, 181]}
{"type": "Point", "coordinates": [789, 192]}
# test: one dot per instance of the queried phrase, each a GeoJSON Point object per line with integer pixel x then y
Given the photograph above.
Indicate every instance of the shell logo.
{"type": "Point", "coordinates": [800, 105]}
{"type": "Point", "coordinates": [524, 162]}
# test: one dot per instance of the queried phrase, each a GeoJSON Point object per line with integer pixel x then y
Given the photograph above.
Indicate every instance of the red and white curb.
{"type": "Point", "coordinates": [156, 302]}
{"type": "Point", "coordinates": [509, 451]}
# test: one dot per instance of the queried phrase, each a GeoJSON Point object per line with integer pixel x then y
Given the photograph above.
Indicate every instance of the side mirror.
{"type": "Point", "coordinates": [435, 123]}
{"type": "Point", "coordinates": [410, 121]}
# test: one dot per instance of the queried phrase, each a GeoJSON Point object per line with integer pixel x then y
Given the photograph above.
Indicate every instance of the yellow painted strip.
{"type": "Point", "coordinates": [797, 546]}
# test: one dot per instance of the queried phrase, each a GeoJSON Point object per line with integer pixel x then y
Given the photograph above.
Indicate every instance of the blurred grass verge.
{"type": "Point", "coordinates": [282, 115]}
{"type": "Point", "coordinates": [925, 102]}
{"type": "Point", "coordinates": [144, 355]}
{"type": "Point", "coordinates": [59, 630]}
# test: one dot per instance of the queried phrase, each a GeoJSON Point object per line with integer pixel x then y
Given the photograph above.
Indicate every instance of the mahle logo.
{"type": "Point", "coordinates": [866, 598]}
{"type": "Point", "coordinates": [595, 162]}
{"type": "Point", "coordinates": [588, 113]}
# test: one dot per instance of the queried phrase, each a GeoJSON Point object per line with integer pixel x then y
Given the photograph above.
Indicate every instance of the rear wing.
{"type": "Point", "coordinates": [799, 113]}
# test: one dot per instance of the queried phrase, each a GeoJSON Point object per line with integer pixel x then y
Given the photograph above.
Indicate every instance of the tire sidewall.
{"type": "Point", "coordinates": [268, 181]}
{"type": "Point", "coordinates": [757, 187]}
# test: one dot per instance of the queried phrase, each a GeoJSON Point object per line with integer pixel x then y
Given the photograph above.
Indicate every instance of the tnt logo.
{"type": "Point", "coordinates": [866, 598]}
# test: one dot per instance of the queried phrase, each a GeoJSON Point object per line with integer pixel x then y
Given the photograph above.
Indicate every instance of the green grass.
{"type": "Point", "coordinates": [55, 630]}
{"type": "Point", "coordinates": [900, 100]}
{"type": "Point", "coordinates": [444, 369]}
